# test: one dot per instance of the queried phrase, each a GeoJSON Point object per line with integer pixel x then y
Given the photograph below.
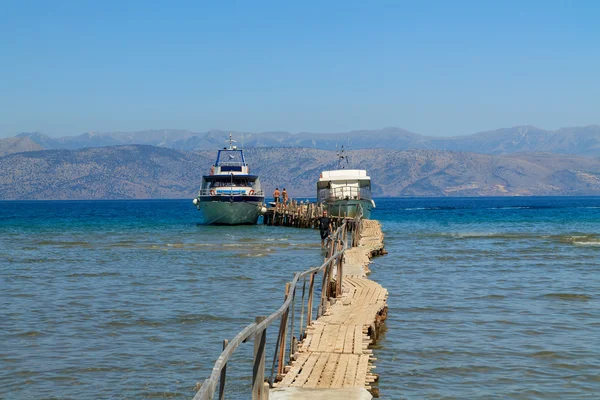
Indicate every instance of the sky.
{"type": "Point", "coordinates": [436, 68]}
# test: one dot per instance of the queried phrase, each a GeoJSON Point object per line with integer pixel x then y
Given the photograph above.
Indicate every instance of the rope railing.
{"type": "Point", "coordinates": [330, 289]}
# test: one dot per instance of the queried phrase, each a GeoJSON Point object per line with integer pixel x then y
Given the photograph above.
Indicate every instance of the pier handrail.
{"type": "Point", "coordinates": [336, 248]}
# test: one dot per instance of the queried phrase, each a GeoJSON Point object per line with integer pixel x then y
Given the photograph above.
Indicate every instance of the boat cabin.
{"type": "Point", "coordinates": [230, 176]}
{"type": "Point", "coordinates": [230, 184]}
{"type": "Point", "coordinates": [344, 184]}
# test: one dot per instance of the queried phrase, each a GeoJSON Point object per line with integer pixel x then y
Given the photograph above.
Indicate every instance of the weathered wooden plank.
{"type": "Point", "coordinates": [289, 378]}
{"type": "Point", "coordinates": [358, 347]}
{"type": "Point", "coordinates": [340, 371]}
{"type": "Point", "coordinates": [348, 339]}
{"type": "Point", "coordinates": [317, 370]}
{"type": "Point", "coordinates": [306, 370]}
{"type": "Point", "coordinates": [327, 376]}
{"type": "Point", "coordinates": [316, 335]}
{"type": "Point", "coordinates": [362, 370]}
{"type": "Point", "coordinates": [339, 339]}
{"type": "Point", "coordinates": [331, 340]}
{"type": "Point", "coordinates": [329, 332]}
{"type": "Point", "coordinates": [350, 377]}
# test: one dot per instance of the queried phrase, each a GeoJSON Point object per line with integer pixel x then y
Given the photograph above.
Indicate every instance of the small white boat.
{"type": "Point", "coordinates": [341, 191]}
{"type": "Point", "coordinates": [230, 195]}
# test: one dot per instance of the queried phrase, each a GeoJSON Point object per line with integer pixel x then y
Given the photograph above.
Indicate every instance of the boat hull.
{"type": "Point", "coordinates": [348, 208]}
{"type": "Point", "coordinates": [230, 211]}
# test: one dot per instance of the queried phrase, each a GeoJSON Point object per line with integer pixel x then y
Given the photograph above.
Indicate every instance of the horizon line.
{"type": "Point", "coordinates": [297, 132]}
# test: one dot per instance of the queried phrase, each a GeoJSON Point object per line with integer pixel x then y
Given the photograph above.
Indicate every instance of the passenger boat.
{"type": "Point", "coordinates": [230, 195]}
{"type": "Point", "coordinates": [342, 191]}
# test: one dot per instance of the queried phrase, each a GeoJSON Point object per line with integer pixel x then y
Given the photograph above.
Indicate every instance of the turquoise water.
{"type": "Point", "coordinates": [489, 298]}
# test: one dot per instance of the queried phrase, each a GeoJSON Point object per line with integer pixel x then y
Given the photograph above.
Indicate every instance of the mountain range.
{"type": "Point", "coordinates": [144, 171]}
{"type": "Point", "coordinates": [575, 140]}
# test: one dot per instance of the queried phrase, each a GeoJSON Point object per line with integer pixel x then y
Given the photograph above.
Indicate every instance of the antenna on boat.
{"type": "Point", "coordinates": [231, 142]}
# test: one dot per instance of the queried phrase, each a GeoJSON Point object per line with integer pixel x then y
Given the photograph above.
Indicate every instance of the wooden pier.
{"type": "Point", "coordinates": [327, 357]}
{"type": "Point", "coordinates": [298, 215]}
{"type": "Point", "coordinates": [335, 354]}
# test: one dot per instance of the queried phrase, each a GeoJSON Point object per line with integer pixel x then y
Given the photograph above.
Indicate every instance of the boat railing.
{"type": "Point", "coordinates": [229, 190]}
{"type": "Point", "coordinates": [344, 193]}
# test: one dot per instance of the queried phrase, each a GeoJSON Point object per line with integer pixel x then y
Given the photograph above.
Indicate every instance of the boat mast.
{"type": "Point", "coordinates": [341, 156]}
{"type": "Point", "coordinates": [231, 142]}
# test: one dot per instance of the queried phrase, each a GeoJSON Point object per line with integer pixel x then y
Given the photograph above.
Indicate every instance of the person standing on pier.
{"type": "Point", "coordinates": [276, 197]}
{"type": "Point", "coordinates": [324, 227]}
{"type": "Point", "coordinates": [284, 197]}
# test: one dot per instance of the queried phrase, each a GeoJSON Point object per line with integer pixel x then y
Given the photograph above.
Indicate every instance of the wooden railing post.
{"type": "Point", "coordinates": [258, 371]}
{"type": "Point", "coordinates": [309, 306]}
{"type": "Point", "coordinates": [292, 324]}
{"type": "Point", "coordinates": [283, 328]}
{"type": "Point", "coordinates": [324, 289]}
{"type": "Point", "coordinates": [331, 247]}
{"type": "Point", "coordinates": [223, 374]}
{"type": "Point", "coordinates": [340, 275]}
{"type": "Point", "coordinates": [301, 335]}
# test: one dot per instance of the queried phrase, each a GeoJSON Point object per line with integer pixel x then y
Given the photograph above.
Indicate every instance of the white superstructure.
{"type": "Point", "coordinates": [342, 190]}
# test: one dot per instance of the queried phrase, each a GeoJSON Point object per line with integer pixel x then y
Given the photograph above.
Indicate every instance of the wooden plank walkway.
{"type": "Point", "coordinates": [335, 354]}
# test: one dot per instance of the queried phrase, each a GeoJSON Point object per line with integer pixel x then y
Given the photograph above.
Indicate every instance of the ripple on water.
{"type": "Point", "coordinates": [547, 354]}
{"type": "Point", "coordinates": [93, 274]}
{"type": "Point", "coordinates": [488, 297]}
{"type": "Point", "coordinates": [63, 244]}
{"type": "Point", "coordinates": [230, 278]}
{"type": "Point", "coordinates": [196, 318]}
{"type": "Point", "coordinates": [587, 243]}
{"type": "Point", "coordinates": [162, 395]}
{"type": "Point", "coordinates": [29, 334]}
{"type": "Point", "coordinates": [568, 296]}
{"type": "Point", "coordinates": [427, 310]}
{"type": "Point", "coordinates": [532, 332]}
{"type": "Point", "coordinates": [252, 255]}
{"type": "Point", "coordinates": [158, 323]}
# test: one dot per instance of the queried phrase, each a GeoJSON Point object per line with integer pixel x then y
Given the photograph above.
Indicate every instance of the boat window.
{"type": "Point", "coordinates": [241, 182]}
{"type": "Point", "coordinates": [227, 168]}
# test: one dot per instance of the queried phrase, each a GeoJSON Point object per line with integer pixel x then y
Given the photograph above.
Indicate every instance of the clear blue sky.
{"type": "Point", "coordinates": [432, 67]}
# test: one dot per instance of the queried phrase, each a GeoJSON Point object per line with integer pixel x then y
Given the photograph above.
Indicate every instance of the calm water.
{"type": "Point", "coordinates": [489, 298]}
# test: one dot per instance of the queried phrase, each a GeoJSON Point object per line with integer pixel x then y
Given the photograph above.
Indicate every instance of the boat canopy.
{"type": "Point", "coordinates": [230, 158]}
{"type": "Point", "coordinates": [343, 175]}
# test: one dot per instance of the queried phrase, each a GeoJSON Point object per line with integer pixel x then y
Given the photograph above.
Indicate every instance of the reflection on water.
{"type": "Point", "coordinates": [489, 298]}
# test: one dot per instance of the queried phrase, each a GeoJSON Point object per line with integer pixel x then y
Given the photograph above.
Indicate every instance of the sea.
{"type": "Point", "coordinates": [489, 298]}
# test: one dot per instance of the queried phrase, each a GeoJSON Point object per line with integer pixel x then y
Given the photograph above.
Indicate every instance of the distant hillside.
{"type": "Point", "coordinates": [577, 140]}
{"type": "Point", "coordinates": [123, 172]}
{"type": "Point", "coordinates": [18, 145]}
{"type": "Point", "coordinates": [139, 171]}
